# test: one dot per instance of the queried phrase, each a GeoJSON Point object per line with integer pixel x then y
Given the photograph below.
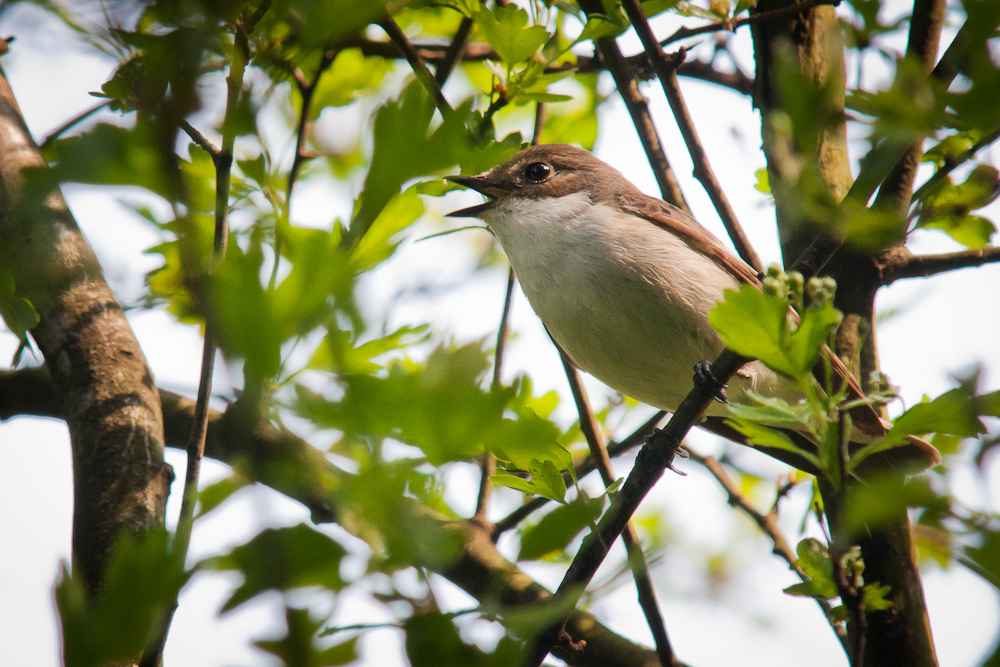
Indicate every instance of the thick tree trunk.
{"type": "Point", "coordinates": [103, 386]}
{"type": "Point", "coordinates": [812, 42]}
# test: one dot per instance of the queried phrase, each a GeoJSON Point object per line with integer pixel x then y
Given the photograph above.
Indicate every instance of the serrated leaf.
{"type": "Point", "coordinates": [506, 29]}
{"type": "Point", "coordinates": [764, 436]}
{"type": "Point", "coordinates": [140, 584]}
{"type": "Point", "coordinates": [601, 26]}
{"type": "Point", "coordinates": [282, 559]}
{"type": "Point", "coordinates": [349, 76]}
{"type": "Point", "coordinates": [559, 527]}
{"type": "Point", "coordinates": [757, 325]}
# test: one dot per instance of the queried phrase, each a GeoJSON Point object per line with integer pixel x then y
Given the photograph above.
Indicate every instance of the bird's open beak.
{"type": "Point", "coordinates": [479, 184]}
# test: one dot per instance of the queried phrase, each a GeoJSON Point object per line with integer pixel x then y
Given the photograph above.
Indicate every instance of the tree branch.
{"type": "Point", "coordinates": [925, 34]}
{"type": "Point", "coordinates": [638, 109]}
{"type": "Point", "coordinates": [666, 70]}
{"type": "Point", "coordinates": [636, 557]}
{"type": "Point", "coordinates": [637, 65]}
{"type": "Point", "coordinates": [51, 137]}
{"type": "Point", "coordinates": [768, 524]}
{"type": "Point", "coordinates": [102, 382]}
{"type": "Point", "coordinates": [582, 469]}
{"type": "Point", "coordinates": [455, 52]}
{"type": "Point", "coordinates": [941, 174]}
{"type": "Point", "coordinates": [900, 266]}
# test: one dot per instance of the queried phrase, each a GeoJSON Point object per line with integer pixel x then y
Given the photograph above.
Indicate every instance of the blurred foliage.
{"type": "Point", "coordinates": [408, 408]}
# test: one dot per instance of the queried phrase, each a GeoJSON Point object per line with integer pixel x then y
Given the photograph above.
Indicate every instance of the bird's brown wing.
{"type": "Point", "coordinates": [865, 418]}
{"type": "Point", "coordinates": [683, 226]}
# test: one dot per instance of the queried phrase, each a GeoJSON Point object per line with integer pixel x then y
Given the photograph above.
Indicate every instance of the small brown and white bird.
{"type": "Point", "coordinates": [623, 281]}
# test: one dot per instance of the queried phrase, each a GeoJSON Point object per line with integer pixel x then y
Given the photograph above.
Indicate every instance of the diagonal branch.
{"type": "Point", "coordinates": [583, 468]}
{"type": "Point", "coordinates": [637, 65]}
{"type": "Point", "coordinates": [666, 71]}
{"type": "Point", "coordinates": [638, 109]}
{"type": "Point", "coordinates": [420, 69]}
{"type": "Point", "coordinates": [455, 52]}
{"type": "Point", "coordinates": [636, 557]}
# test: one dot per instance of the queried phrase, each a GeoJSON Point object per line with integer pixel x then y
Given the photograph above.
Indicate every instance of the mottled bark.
{"type": "Point", "coordinates": [901, 635]}
{"type": "Point", "coordinates": [102, 384]}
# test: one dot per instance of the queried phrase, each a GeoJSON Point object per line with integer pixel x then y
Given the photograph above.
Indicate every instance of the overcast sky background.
{"type": "Point", "coordinates": [945, 325]}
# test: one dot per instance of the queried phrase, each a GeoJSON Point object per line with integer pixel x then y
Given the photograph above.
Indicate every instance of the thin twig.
{"type": "Point", "coordinates": [417, 63]}
{"type": "Point", "coordinates": [199, 138]}
{"type": "Point", "coordinates": [924, 266]}
{"type": "Point", "coordinates": [638, 109]}
{"type": "Point", "coordinates": [666, 70]}
{"type": "Point", "coordinates": [488, 466]}
{"type": "Point", "coordinates": [199, 428]}
{"type": "Point", "coordinates": [540, 113]}
{"type": "Point", "coordinates": [896, 191]}
{"type": "Point", "coordinates": [72, 122]}
{"type": "Point", "coordinates": [768, 524]}
{"type": "Point", "coordinates": [455, 52]}
{"type": "Point", "coordinates": [731, 26]}
{"type": "Point", "coordinates": [636, 557]}
{"type": "Point", "coordinates": [306, 89]}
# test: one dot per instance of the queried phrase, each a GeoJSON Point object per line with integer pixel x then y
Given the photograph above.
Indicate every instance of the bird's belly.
{"type": "Point", "coordinates": [629, 339]}
{"type": "Point", "coordinates": [626, 300]}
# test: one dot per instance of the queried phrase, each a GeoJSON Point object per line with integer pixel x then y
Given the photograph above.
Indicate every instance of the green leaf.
{"type": "Point", "coordinates": [546, 481]}
{"type": "Point", "coordinates": [468, 8]}
{"type": "Point", "coordinates": [282, 559]}
{"type": "Point", "coordinates": [349, 76]}
{"type": "Point", "coordinates": [558, 528]}
{"type": "Point", "coordinates": [377, 245]}
{"type": "Point", "coordinates": [505, 28]}
{"type": "Point", "coordinates": [140, 585]}
{"type": "Point", "coordinates": [756, 325]}
{"type": "Point", "coordinates": [215, 494]}
{"type": "Point", "coordinates": [319, 24]}
{"type": "Point", "coordinates": [299, 648]}
{"type": "Point", "coordinates": [763, 183]}
{"type": "Point", "coordinates": [407, 147]}
{"type": "Point", "coordinates": [337, 354]}
{"type": "Point", "coordinates": [432, 640]}
{"type": "Point", "coordinates": [110, 155]}
{"type": "Point", "coordinates": [602, 26]}
{"type": "Point", "coordinates": [438, 407]}
{"type": "Point", "coordinates": [955, 412]}
{"type": "Point", "coordinates": [875, 597]}
{"type": "Point", "coordinates": [814, 559]}
{"type": "Point", "coordinates": [17, 312]}
{"type": "Point", "coordinates": [948, 207]}
{"type": "Point", "coordinates": [765, 436]}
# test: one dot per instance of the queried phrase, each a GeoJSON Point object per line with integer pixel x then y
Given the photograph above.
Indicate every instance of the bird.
{"type": "Point", "coordinates": [624, 283]}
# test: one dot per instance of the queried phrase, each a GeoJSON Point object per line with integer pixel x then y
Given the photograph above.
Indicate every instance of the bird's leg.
{"type": "Point", "coordinates": [704, 379]}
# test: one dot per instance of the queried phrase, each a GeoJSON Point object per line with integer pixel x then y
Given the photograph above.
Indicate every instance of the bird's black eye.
{"type": "Point", "coordinates": [536, 172]}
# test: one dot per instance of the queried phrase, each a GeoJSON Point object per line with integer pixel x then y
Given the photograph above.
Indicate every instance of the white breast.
{"type": "Point", "coordinates": [627, 300]}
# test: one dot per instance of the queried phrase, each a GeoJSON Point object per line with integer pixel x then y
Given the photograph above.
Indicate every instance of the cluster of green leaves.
{"type": "Point", "coordinates": [787, 327]}
{"type": "Point", "coordinates": [816, 562]}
